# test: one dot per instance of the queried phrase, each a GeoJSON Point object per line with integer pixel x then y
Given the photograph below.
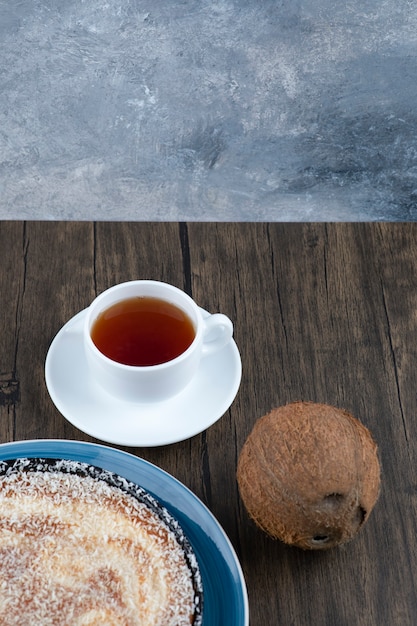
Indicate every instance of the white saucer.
{"type": "Point", "coordinates": [97, 413]}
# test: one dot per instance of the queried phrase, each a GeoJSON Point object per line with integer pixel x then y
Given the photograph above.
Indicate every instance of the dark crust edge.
{"type": "Point", "coordinates": [80, 468]}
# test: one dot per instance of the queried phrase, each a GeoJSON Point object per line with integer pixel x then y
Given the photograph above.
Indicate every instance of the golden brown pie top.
{"type": "Point", "coordinates": [81, 546]}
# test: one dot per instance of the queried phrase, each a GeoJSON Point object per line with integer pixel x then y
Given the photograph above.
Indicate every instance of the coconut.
{"type": "Point", "coordinates": [309, 475]}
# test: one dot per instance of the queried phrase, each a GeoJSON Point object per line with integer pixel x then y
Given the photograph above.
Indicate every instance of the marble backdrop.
{"type": "Point", "coordinates": [220, 110]}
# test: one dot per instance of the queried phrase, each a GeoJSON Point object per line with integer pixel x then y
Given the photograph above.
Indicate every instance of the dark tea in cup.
{"type": "Point", "coordinates": [144, 340]}
{"type": "Point", "coordinates": [142, 331]}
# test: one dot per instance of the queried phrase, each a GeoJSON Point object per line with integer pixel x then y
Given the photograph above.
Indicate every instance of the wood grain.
{"type": "Point", "coordinates": [322, 312]}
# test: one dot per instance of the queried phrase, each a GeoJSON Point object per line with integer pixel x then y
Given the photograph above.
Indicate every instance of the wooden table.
{"type": "Point", "coordinates": [322, 312]}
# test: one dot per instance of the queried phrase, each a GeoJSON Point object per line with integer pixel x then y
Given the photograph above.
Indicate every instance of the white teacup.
{"type": "Point", "coordinates": [153, 383]}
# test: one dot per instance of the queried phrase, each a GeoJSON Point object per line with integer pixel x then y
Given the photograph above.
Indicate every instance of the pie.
{"type": "Point", "coordinates": [82, 546]}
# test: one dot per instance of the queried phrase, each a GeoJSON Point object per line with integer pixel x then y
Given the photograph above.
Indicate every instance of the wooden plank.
{"type": "Point", "coordinates": [134, 251]}
{"type": "Point", "coordinates": [155, 251]}
{"type": "Point", "coordinates": [12, 277]}
{"type": "Point", "coordinates": [58, 280]}
{"type": "Point", "coordinates": [312, 323]}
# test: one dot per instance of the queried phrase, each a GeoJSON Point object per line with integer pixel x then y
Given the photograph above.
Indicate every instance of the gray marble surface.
{"type": "Point", "coordinates": [296, 110]}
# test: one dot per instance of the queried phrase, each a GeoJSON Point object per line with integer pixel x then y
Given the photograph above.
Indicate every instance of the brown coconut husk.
{"type": "Point", "coordinates": [309, 475]}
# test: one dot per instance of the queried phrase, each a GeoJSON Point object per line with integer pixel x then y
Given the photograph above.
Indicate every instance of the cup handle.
{"type": "Point", "coordinates": [217, 333]}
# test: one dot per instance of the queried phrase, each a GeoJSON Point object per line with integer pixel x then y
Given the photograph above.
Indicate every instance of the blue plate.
{"type": "Point", "coordinates": [225, 595]}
